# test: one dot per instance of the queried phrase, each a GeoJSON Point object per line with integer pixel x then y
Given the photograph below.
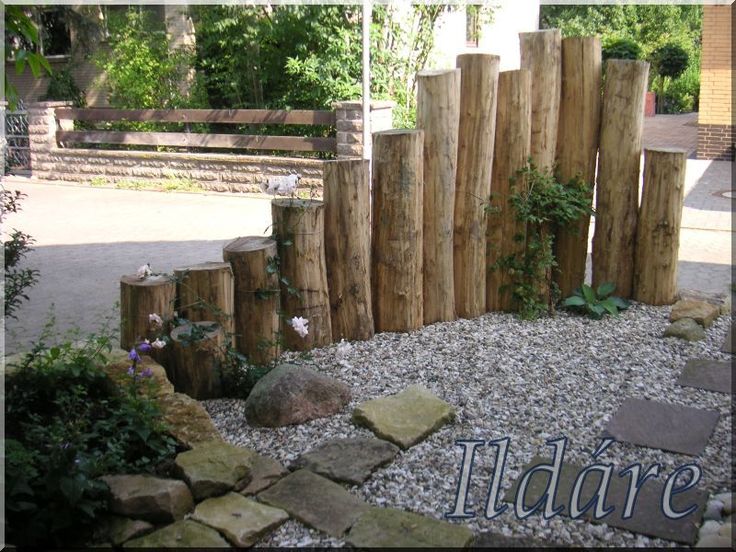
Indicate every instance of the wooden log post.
{"type": "Point", "coordinates": [396, 264]}
{"type": "Point", "coordinates": [541, 56]}
{"type": "Point", "coordinates": [658, 231]}
{"type": "Point", "coordinates": [438, 114]}
{"type": "Point", "coordinates": [513, 137]}
{"type": "Point", "coordinates": [617, 192]}
{"type": "Point", "coordinates": [139, 299]}
{"type": "Point", "coordinates": [299, 226]}
{"type": "Point", "coordinates": [348, 248]}
{"type": "Point", "coordinates": [197, 352]}
{"type": "Point", "coordinates": [577, 149]}
{"type": "Point", "coordinates": [476, 133]}
{"type": "Point", "coordinates": [206, 291]}
{"type": "Point", "coordinates": [257, 297]}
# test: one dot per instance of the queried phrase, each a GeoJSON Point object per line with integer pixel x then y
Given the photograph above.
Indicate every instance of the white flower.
{"type": "Point", "coordinates": [300, 325]}
{"type": "Point", "coordinates": [343, 348]}
{"type": "Point", "coordinates": [158, 344]}
{"type": "Point", "coordinates": [144, 271]}
{"type": "Point", "coordinates": [155, 319]}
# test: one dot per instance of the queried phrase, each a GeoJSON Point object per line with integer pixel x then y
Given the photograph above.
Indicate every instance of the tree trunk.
{"type": "Point", "coordinates": [257, 297]}
{"type": "Point", "coordinates": [476, 133]}
{"type": "Point", "coordinates": [348, 248]}
{"type": "Point", "coordinates": [197, 359]}
{"type": "Point", "coordinates": [206, 292]}
{"type": "Point", "coordinates": [139, 299]}
{"type": "Point", "coordinates": [617, 203]}
{"type": "Point", "coordinates": [438, 114]}
{"type": "Point", "coordinates": [397, 230]}
{"type": "Point", "coordinates": [300, 228]}
{"type": "Point", "coordinates": [513, 124]}
{"type": "Point", "coordinates": [540, 54]}
{"type": "Point", "coordinates": [658, 232]}
{"type": "Point", "coordinates": [577, 149]}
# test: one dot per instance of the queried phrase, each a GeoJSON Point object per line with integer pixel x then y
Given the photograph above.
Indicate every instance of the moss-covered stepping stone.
{"type": "Point", "coordinates": [406, 418]}
{"type": "Point", "coordinates": [182, 534]}
{"type": "Point", "coordinates": [315, 501]}
{"type": "Point", "coordinates": [386, 527]}
{"type": "Point", "coordinates": [242, 520]}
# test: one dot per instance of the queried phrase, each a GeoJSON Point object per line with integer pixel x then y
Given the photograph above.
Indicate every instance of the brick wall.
{"type": "Point", "coordinates": [715, 118]}
{"type": "Point", "coordinates": [214, 171]}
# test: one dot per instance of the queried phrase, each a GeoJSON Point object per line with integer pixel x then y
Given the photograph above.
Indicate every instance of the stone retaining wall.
{"type": "Point", "coordinates": [213, 171]}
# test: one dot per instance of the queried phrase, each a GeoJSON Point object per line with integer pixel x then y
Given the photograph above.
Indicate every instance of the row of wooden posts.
{"type": "Point", "coordinates": [415, 247]}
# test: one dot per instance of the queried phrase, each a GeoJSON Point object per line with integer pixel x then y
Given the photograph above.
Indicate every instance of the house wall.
{"type": "Point", "coordinates": [500, 37]}
{"type": "Point", "coordinates": [715, 118]}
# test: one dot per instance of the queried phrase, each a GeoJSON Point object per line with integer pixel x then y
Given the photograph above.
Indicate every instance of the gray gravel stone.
{"type": "Point", "coordinates": [685, 328]}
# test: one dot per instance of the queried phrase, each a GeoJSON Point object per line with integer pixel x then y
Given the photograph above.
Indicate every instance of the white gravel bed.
{"type": "Point", "coordinates": [529, 381]}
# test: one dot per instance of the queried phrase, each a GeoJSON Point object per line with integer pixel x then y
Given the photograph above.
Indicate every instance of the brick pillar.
{"type": "Point", "coordinates": [716, 134]}
{"type": "Point", "coordinates": [349, 117]}
{"type": "Point", "coordinates": [42, 127]}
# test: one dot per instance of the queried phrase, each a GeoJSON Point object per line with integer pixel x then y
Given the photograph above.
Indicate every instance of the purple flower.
{"type": "Point", "coordinates": [131, 371]}
{"type": "Point", "coordinates": [133, 355]}
{"type": "Point", "coordinates": [147, 373]}
{"type": "Point", "coordinates": [144, 347]}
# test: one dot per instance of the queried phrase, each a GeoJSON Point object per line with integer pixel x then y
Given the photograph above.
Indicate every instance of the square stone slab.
{"type": "Point", "coordinates": [711, 375]}
{"type": "Point", "coordinates": [728, 343]}
{"type": "Point", "coordinates": [242, 521]}
{"type": "Point", "coordinates": [406, 418]}
{"type": "Point", "coordinates": [648, 517]}
{"type": "Point", "coordinates": [315, 501]}
{"type": "Point", "coordinates": [348, 460]}
{"type": "Point", "coordinates": [664, 426]}
{"type": "Point", "coordinates": [386, 527]}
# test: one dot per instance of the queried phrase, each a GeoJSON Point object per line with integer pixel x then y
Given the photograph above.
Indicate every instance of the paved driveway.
{"type": "Point", "coordinates": [88, 237]}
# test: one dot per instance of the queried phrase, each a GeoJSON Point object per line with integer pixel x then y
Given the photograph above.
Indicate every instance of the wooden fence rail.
{"type": "Point", "coordinates": [199, 140]}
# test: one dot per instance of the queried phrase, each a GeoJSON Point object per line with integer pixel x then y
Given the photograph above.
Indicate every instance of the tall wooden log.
{"type": "Point", "coordinates": [541, 56]}
{"type": "Point", "coordinates": [658, 231]}
{"type": "Point", "coordinates": [577, 148]}
{"type": "Point", "coordinates": [206, 291]}
{"type": "Point", "coordinates": [438, 114]}
{"type": "Point", "coordinates": [197, 352]}
{"type": "Point", "coordinates": [513, 136]}
{"type": "Point", "coordinates": [138, 300]}
{"type": "Point", "coordinates": [347, 197]}
{"type": "Point", "coordinates": [299, 226]}
{"type": "Point", "coordinates": [256, 295]}
{"type": "Point", "coordinates": [476, 132]}
{"type": "Point", "coordinates": [396, 265]}
{"type": "Point", "coordinates": [617, 192]}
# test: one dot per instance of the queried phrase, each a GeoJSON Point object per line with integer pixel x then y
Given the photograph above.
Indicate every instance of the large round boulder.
{"type": "Point", "coordinates": [291, 394]}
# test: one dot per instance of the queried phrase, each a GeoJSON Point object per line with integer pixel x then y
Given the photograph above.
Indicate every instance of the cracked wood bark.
{"type": "Point", "coordinates": [658, 231]}
{"type": "Point", "coordinates": [299, 225]}
{"type": "Point", "coordinates": [396, 264]}
{"type": "Point", "coordinates": [478, 89]}
{"type": "Point", "coordinates": [577, 149]}
{"type": "Point", "coordinates": [256, 297]}
{"type": "Point", "coordinates": [617, 192]}
{"type": "Point", "coordinates": [438, 114]}
{"type": "Point", "coordinates": [348, 248]}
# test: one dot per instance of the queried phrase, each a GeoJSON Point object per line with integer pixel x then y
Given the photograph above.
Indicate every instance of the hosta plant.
{"type": "Point", "coordinates": [596, 302]}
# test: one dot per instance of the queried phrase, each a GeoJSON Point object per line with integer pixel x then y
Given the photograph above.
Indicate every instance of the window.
{"type": "Point", "coordinates": [54, 38]}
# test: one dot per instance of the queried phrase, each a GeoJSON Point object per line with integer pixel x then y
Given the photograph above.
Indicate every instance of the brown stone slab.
{"type": "Point", "coordinates": [315, 501]}
{"type": "Point", "coordinates": [648, 517]}
{"type": "Point", "coordinates": [711, 375]}
{"type": "Point", "coordinates": [664, 426]}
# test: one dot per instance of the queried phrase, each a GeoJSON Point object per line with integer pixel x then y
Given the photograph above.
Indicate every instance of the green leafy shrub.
{"type": "Point", "coordinates": [67, 424]}
{"type": "Point", "coordinates": [596, 303]}
{"type": "Point", "coordinates": [16, 247]}
{"type": "Point", "coordinates": [621, 48]}
{"type": "Point", "coordinates": [683, 94]}
{"type": "Point", "coordinates": [63, 88]}
{"type": "Point", "coordinates": [670, 60]}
